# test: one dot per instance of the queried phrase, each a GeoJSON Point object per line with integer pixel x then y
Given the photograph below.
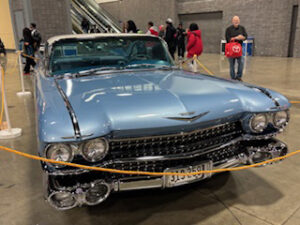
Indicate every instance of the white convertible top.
{"type": "Point", "coordinates": [91, 36]}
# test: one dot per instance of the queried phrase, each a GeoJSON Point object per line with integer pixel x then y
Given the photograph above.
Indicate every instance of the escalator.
{"type": "Point", "coordinates": [90, 10]}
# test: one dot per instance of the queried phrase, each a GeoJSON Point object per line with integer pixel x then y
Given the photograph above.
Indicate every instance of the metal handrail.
{"type": "Point", "coordinates": [93, 12]}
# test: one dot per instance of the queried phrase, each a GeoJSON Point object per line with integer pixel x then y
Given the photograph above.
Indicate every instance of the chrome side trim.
{"type": "Point", "coordinates": [265, 92]}
{"type": "Point", "coordinates": [70, 110]}
{"type": "Point", "coordinates": [82, 136]}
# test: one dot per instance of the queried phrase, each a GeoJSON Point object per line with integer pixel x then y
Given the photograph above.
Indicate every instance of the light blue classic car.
{"type": "Point", "coordinates": [118, 101]}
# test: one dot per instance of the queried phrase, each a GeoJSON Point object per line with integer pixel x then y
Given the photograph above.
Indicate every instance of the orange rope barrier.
{"type": "Point", "coordinates": [26, 155]}
{"type": "Point", "coordinates": [27, 56]}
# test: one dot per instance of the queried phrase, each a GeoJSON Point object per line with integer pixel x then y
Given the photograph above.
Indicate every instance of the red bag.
{"type": "Point", "coordinates": [233, 50]}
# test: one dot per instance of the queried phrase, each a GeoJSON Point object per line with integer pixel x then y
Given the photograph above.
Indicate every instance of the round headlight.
{"type": "Point", "coordinates": [258, 123]}
{"type": "Point", "coordinates": [280, 119]}
{"type": "Point", "coordinates": [62, 200]}
{"type": "Point", "coordinates": [95, 150]}
{"type": "Point", "coordinates": [59, 152]}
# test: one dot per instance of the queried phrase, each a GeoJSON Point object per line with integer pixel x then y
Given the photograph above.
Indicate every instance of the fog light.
{"type": "Point", "coordinates": [62, 200]}
{"type": "Point", "coordinates": [261, 156]}
{"type": "Point", "coordinates": [258, 123]}
{"type": "Point", "coordinates": [95, 150]}
{"type": "Point", "coordinates": [280, 119]}
{"type": "Point", "coordinates": [97, 193]}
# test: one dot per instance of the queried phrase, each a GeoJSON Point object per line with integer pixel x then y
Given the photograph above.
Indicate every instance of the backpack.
{"type": "Point", "coordinates": [233, 50]}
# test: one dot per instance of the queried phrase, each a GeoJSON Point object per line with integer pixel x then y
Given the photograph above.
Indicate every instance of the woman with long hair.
{"type": "Point", "coordinates": [130, 27]}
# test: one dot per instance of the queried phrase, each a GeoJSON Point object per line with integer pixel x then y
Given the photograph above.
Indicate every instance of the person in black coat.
{"type": "Point", "coordinates": [37, 37]}
{"type": "Point", "coordinates": [170, 37]}
{"type": "Point", "coordinates": [180, 41]}
{"type": "Point", "coordinates": [28, 50]}
{"type": "Point", "coordinates": [85, 25]}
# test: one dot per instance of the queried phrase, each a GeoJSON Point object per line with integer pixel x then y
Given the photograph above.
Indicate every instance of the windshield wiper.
{"type": "Point", "coordinates": [95, 70]}
{"type": "Point", "coordinates": [148, 65]}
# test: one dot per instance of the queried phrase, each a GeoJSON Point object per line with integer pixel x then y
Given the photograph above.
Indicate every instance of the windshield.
{"type": "Point", "coordinates": [108, 53]}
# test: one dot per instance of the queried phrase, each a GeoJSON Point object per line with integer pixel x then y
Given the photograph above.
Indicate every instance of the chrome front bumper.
{"type": "Point", "coordinates": [251, 155]}
{"type": "Point", "coordinates": [128, 185]}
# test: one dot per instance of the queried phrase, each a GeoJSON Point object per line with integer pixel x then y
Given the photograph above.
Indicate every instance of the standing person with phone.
{"type": "Point", "coordinates": [237, 33]}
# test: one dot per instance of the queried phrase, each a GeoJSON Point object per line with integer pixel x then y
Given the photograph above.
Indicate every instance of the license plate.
{"type": "Point", "coordinates": [176, 180]}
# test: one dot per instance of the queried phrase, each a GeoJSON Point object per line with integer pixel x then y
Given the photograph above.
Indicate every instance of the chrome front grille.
{"type": "Point", "coordinates": [182, 143]}
{"type": "Point", "coordinates": [157, 153]}
{"type": "Point", "coordinates": [149, 166]}
{"type": "Point", "coordinates": [160, 166]}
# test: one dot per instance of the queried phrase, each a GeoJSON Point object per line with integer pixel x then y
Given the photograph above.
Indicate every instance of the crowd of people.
{"type": "Point", "coordinates": [176, 40]}
{"type": "Point", "coordinates": [180, 39]}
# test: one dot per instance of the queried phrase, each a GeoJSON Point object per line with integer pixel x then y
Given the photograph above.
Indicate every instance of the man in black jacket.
{"type": "Point", "coordinates": [170, 37]}
{"type": "Point", "coordinates": [36, 36]}
{"type": "Point", "coordinates": [238, 33]}
{"type": "Point", "coordinates": [180, 41]}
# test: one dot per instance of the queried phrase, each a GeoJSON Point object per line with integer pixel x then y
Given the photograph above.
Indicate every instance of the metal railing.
{"type": "Point", "coordinates": [90, 10]}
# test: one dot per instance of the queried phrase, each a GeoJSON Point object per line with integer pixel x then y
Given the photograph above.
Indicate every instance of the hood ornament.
{"type": "Point", "coordinates": [188, 119]}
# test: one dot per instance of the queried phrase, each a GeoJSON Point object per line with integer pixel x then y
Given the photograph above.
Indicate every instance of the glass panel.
{"type": "Point", "coordinates": [74, 55]}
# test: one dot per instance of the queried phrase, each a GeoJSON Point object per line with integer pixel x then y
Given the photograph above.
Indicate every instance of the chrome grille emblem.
{"type": "Point", "coordinates": [188, 119]}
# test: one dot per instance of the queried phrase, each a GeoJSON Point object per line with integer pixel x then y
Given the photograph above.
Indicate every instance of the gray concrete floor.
{"type": "Point", "coordinates": [258, 196]}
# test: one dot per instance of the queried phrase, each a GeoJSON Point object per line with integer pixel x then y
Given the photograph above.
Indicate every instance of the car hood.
{"type": "Point", "coordinates": [158, 99]}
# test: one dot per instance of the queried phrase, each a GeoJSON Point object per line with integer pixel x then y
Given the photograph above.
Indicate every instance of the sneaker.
{"type": "Point", "coordinates": [26, 74]}
{"type": "Point", "coordinates": [239, 79]}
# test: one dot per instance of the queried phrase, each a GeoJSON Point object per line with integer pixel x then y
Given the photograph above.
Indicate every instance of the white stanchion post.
{"type": "Point", "coordinates": [9, 132]}
{"type": "Point", "coordinates": [23, 92]}
{"type": "Point", "coordinates": [180, 64]}
{"type": "Point", "coordinates": [194, 65]}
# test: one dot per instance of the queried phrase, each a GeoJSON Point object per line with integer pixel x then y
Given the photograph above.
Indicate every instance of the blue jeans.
{"type": "Point", "coordinates": [240, 62]}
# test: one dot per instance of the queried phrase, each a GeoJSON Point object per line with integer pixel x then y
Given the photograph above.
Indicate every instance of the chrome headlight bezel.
{"type": "Point", "coordinates": [256, 116]}
{"type": "Point", "coordinates": [100, 198]}
{"type": "Point", "coordinates": [55, 204]}
{"type": "Point", "coordinates": [282, 124]}
{"type": "Point", "coordinates": [86, 146]}
{"type": "Point", "coordinates": [56, 147]}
